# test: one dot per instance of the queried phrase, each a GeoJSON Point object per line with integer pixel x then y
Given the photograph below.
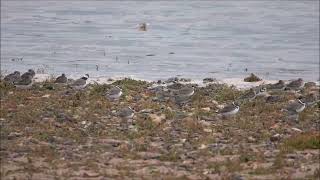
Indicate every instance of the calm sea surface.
{"type": "Point", "coordinates": [194, 39]}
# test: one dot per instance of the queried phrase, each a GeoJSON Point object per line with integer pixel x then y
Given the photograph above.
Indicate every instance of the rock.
{"type": "Point", "coordinates": [14, 135]}
{"type": "Point", "coordinates": [146, 111]}
{"type": "Point", "coordinates": [207, 109]}
{"type": "Point", "coordinates": [157, 118]}
{"type": "Point", "coordinates": [46, 96]}
{"type": "Point", "coordinates": [215, 102]}
{"type": "Point", "coordinates": [237, 177]}
{"type": "Point", "coordinates": [296, 129]}
{"type": "Point", "coordinates": [275, 137]}
{"type": "Point", "coordinates": [129, 98]}
{"type": "Point", "coordinates": [252, 78]}
{"type": "Point", "coordinates": [172, 80]}
{"type": "Point", "coordinates": [185, 80]}
{"type": "Point", "coordinates": [251, 139]}
{"type": "Point", "coordinates": [203, 146]}
{"type": "Point", "coordinates": [208, 80]}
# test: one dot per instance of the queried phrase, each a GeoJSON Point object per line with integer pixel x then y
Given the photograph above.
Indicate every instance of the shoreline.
{"type": "Point", "coordinates": [239, 83]}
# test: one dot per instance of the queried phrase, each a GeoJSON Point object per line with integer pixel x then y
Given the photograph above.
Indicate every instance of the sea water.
{"type": "Point", "coordinates": [192, 39]}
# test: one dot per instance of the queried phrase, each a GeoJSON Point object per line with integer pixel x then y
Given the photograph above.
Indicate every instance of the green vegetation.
{"type": "Point", "coordinates": [302, 142]}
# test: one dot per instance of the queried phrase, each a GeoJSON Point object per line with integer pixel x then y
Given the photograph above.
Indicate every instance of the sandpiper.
{"type": "Point", "coordinates": [114, 93]}
{"type": "Point", "coordinates": [25, 82]}
{"type": "Point", "coordinates": [162, 96]}
{"type": "Point", "coordinates": [30, 72]}
{"type": "Point", "coordinates": [296, 84]}
{"type": "Point", "coordinates": [273, 99]}
{"type": "Point", "coordinates": [126, 113]}
{"type": "Point", "coordinates": [143, 27]}
{"type": "Point", "coordinates": [186, 91]}
{"type": "Point", "coordinates": [295, 107]}
{"type": "Point", "coordinates": [13, 77]}
{"type": "Point", "coordinates": [279, 86]}
{"type": "Point", "coordinates": [229, 110]}
{"type": "Point", "coordinates": [181, 100]}
{"type": "Point", "coordinates": [80, 83]}
{"type": "Point", "coordinates": [61, 79]}
{"type": "Point", "coordinates": [261, 91]}
{"type": "Point", "coordinates": [250, 95]}
{"type": "Point", "coordinates": [310, 99]}
{"type": "Point", "coordinates": [174, 86]}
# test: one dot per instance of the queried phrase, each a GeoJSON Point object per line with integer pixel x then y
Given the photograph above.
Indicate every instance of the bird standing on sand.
{"type": "Point", "coordinates": [13, 77]}
{"type": "Point", "coordinates": [310, 99]}
{"type": "Point", "coordinates": [229, 110]}
{"type": "Point", "coordinates": [261, 91]}
{"type": "Point", "coordinates": [30, 72]}
{"type": "Point", "coordinates": [126, 113]}
{"type": "Point", "coordinates": [279, 86]}
{"type": "Point", "coordinates": [250, 95]}
{"type": "Point", "coordinates": [25, 82]}
{"type": "Point", "coordinates": [186, 91]}
{"type": "Point", "coordinates": [181, 100]}
{"type": "Point", "coordinates": [182, 96]}
{"type": "Point", "coordinates": [114, 93]}
{"type": "Point", "coordinates": [296, 84]}
{"type": "Point", "coordinates": [295, 107]}
{"type": "Point", "coordinates": [273, 99]}
{"type": "Point", "coordinates": [61, 79]}
{"type": "Point", "coordinates": [80, 83]}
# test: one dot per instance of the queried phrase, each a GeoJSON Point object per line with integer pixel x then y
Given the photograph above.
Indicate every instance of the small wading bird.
{"type": "Point", "coordinates": [295, 85]}
{"type": "Point", "coordinates": [279, 86]}
{"type": "Point", "coordinates": [295, 107]}
{"type": "Point", "coordinates": [261, 91]}
{"type": "Point", "coordinates": [114, 93]}
{"type": "Point", "coordinates": [126, 114]}
{"type": "Point", "coordinates": [61, 79]}
{"type": "Point", "coordinates": [250, 95]}
{"type": "Point", "coordinates": [30, 72]}
{"type": "Point", "coordinates": [229, 110]}
{"type": "Point", "coordinates": [25, 82]}
{"type": "Point", "coordinates": [13, 77]}
{"type": "Point", "coordinates": [80, 83]}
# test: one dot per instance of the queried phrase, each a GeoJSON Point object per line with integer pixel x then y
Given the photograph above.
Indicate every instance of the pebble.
{"type": "Point", "coordinates": [275, 137]}
{"type": "Point", "coordinates": [251, 139]}
{"type": "Point", "coordinates": [207, 109]}
{"type": "Point", "coordinates": [296, 129]}
{"type": "Point", "coordinates": [46, 96]}
{"type": "Point", "coordinates": [203, 146]}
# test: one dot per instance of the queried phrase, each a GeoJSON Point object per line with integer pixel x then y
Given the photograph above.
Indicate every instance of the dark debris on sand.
{"type": "Point", "coordinates": [252, 78]}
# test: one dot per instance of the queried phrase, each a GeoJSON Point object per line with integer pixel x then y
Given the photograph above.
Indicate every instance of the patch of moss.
{"type": "Point", "coordinates": [302, 142]}
{"type": "Point", "coordinates": [252, 78]}
{"type": "Point", "coordinates": [225, 93]}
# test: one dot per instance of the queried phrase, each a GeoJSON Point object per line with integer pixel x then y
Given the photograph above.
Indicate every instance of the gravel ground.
{"type": "Point", "coordinates": [54, 132]}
